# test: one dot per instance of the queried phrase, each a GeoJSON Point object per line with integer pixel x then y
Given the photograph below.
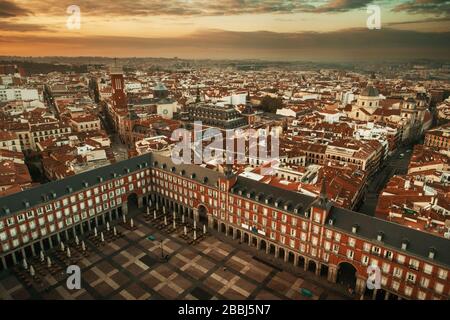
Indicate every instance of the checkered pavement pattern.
{"type": "Point", "coordinates": [133, 267]}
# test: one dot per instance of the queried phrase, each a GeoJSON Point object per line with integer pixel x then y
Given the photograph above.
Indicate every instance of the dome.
{"type": "Point", "coordinates": [370, 91]}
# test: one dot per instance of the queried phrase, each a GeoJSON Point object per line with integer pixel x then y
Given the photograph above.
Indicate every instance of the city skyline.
{"type": "Point", "coordinates": [274, 30]}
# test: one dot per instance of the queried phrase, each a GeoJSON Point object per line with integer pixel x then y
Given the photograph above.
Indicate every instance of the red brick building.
{"type": "Point", "coordinates": [336, 243]}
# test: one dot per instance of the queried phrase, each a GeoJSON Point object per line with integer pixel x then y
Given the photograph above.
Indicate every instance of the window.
{"type": "Point", "coordinates": [414, 264]}
{"type": "Point", "coordinates": [304, 225]}
{"type": "Point", "coordinates": [365, 260]}
{"type": "Point", "coordinates": [428, 269]}
{"type": "Point", "coordinates": [398, 272]}
{"type": "Point", "coordinates": [388, 254]}
{"type": "Point", "coordinates": [336, 248]}
{"type": "Point", "coordinates": [442, 274]}
{"type": "Point", "coordinates": [376, 250]}
{"type": "Point", "coordinates": [366, 247]}
{"type": "Point", "coordinates": [424, 282]}
{"type": "Point", "coordinates": [317, 217]}
{"type": "Point", "coordinates": [316, 229]}
{"type": "Point", "coordinates": [395, 285]}
{"type": "Point", "coordinates": [439, 288]}
{"type": "Point", "coordinates": [411, 277]}
{"type": "Point", "coordinates": [408, 291]}
{"type": "Point", "coordinates": [351, 242]}
{"type": "Point", "coordinates": [401, 259]}
{"type": "Point", "coordinates": [350, 254]}
{"type": "Point", "coordinates": [337, 237]}
{"type": "Point", "coordinates": [421, 295]}
{"type": "Point", "coordinates": [303, 236]}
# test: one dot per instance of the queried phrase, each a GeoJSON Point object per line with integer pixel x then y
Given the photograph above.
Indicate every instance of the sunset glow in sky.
{"type": "Point", "coordinates": [268, 29]}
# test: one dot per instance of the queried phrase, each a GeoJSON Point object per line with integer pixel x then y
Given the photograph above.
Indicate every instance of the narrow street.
{"type": "Point", "coordinates": [393, 165]}
{"type": "Point", "coordinates": [119, 149]}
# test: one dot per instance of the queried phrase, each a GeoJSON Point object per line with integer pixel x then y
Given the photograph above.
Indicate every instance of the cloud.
{"type": "Point", "coordinates": [194, 7]}
{"type": "Point", "coordinates": [21, 27]}
{"type": "Point", "coordinates": [9, 9]}
{"type": "Point", "coordinates": [428, 20]}
{"type": "Point", "coordinates": [340, 6]}
{"type": "Point", "coordinates": [343, 45]}
{"type": "Point", "coordinates": [436, 7]}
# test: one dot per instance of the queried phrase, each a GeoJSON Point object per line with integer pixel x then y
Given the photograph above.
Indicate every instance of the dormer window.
{"type": "Point", "coordinates": [404, 244]}
{"type": "Point", "coordinates": [380, 236]}
{"type": "Point", "coordinates": [432, 253]}
{"type": "Point", "coordinates": [355, 229]}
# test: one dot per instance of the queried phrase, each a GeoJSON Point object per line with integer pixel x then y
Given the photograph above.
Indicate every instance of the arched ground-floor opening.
{"type": "Point", "coordinates": [230, 231]}
{"type": "Point", "coordinates": [263, 245]}
{"type": "Point", "coordinates": [246, 238]}
{"type": "Point", "coordinates": [9, 260]}
{"type": "Point", "coordinates": [272, 249]}
{"type": "Point", "coordinates": [223, 228]}
{"type": "Point", "coordinates": [254, 242]}
{"type": "Point", "coordinates": [312, 266]}
{"type": "Point", "coordinates": [202, 214]}
{"type": "Point", "coordinates": [346, 275]}
{"type": "Point", "coordinates": [291, 257]}
{"type": "Point", "coordinates": [28, 251]}
{"type": "Point", "coordinates": [132, 202]}
{"type": "Point", "coordinates": [324, 271]}
{"type": "Point", "coordinates": [238, 234]}
{"type": "Point", "coordinates": [301, 262]}
{"type": "Point", "coordinates": [215, 225]}
{"type": "Point", "coordinates": [281, 253]}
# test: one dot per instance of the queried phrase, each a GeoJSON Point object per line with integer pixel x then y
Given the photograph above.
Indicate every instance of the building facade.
{"type": "Point", "coordinates": [306, 231]}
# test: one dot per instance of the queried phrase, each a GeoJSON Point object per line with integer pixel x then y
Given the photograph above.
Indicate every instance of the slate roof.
{"type": "Point", "coordinates": [186, 170]}
{"type": "Point", "coordinates": [294, 200]}
{"type": "Point", "coordinates": [60, 188]}
{"type": "Point", "coordinates": [419, 243]}
{"type": "Point", "coordinates": [370, 91]}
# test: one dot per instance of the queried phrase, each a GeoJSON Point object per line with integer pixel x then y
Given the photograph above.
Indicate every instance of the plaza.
{"type": "Point", "coordinates": [129, 263]}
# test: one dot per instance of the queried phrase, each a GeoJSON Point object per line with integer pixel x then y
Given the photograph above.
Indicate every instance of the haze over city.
{"type": "Point", "coordinates": [333, 30]}
{"type": "Point", "coordinates": [236, 152]}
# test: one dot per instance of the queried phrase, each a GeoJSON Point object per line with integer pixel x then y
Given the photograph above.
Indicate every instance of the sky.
{"type": "Point", "coordinates": [323, 30]}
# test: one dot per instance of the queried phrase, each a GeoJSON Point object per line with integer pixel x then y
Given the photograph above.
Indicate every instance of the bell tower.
{"type": "Point", "coordinates": [118, 87]}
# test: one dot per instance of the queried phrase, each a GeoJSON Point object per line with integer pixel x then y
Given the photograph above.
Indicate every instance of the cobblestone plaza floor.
{"type": "Point", "coordinates": [129, 267]}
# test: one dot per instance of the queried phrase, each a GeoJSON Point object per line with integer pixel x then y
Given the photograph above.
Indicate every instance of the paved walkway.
{"type": "Point", "coordinates": [130, 268]}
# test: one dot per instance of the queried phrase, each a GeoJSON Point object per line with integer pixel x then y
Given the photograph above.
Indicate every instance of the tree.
{"type": "Point", "coordinates": [269, 104]}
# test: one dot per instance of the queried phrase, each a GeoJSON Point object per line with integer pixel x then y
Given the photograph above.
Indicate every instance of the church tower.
{"type": "Point", "coordinates": [118, 87]}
